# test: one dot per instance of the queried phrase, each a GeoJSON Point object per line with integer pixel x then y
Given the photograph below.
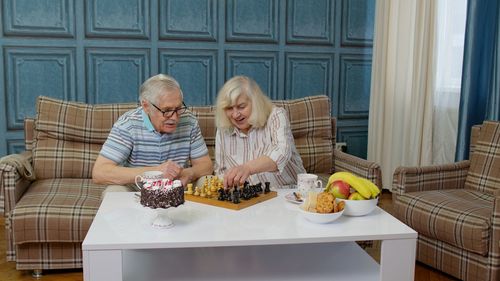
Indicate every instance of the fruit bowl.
{"type": "Point", "coordinates": [359, 207]}
{"type": "Point", "coordinates": [318, 217]}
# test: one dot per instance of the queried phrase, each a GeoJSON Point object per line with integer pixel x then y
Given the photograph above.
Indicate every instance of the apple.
{"type": "Point", "coordinates": [340, 189]}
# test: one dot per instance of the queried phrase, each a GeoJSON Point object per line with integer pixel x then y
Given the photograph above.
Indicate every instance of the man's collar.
{"type": "Point", "coordinates": [146, 121]}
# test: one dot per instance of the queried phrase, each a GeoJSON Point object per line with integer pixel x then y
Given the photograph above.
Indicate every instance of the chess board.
{"type": "Point", "coordinates": [230, 205]}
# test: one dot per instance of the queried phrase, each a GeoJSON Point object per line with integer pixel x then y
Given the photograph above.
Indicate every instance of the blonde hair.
{"type": "Point", "coordinates": [229, 93]}
{"type": "Point", "coordinates": [156, 85]}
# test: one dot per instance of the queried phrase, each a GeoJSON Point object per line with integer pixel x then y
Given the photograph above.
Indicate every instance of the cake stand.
{"type": "Point", "coordinates": [162, 220]}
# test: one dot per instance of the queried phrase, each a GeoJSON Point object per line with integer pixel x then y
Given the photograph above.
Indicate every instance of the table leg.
{"type": "Point", "coordinates": [397, 260]}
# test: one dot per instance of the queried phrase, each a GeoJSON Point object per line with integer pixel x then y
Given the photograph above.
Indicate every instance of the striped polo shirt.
{"type": "Point", "coordinates": [275, 140]}
{"type": "Point", "coordinates": [133, 141]}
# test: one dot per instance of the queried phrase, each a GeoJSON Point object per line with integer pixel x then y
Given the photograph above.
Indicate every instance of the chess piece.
{"type": "Point", "coordinates": [236, 196]}
{"type": "Point", "coordinates": [190, 188]}
{"type": "Point", "coordinates": [221, 195]}
{"type": "Point", "coordinates": [197, 191]}
{"type": "Point", "coordinates": [267, 188]}
{"type": "Point", "coordinates": [205, 185]}
{"type": "Point", "coordinates": [258, 188]}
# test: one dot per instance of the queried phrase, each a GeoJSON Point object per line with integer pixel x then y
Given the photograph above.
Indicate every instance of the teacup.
{"type": "Point", "coordinates": [307, 182]}
{"type": "Point", "coordinates": [148, 177]}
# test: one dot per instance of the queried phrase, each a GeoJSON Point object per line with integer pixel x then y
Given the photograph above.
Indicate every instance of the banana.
{"type": "Point", "coordinates": [373, 188]}
{"type": "Point", "coordinates": [353, 181]}
{"type": "Point", "coordinates": [356, 196]}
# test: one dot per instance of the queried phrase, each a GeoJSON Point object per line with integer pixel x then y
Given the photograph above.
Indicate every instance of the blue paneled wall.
{"type": "Point", "coordinates": [97, 51]}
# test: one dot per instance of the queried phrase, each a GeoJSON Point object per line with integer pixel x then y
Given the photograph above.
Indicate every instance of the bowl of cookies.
{"type": "Point", "coordinates": [321, 207]}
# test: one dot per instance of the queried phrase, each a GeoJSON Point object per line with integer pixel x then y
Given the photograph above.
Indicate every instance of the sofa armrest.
{"type": "Point", "coordinates": [346, 162]}
{"type": "Point", "coordinates": [15, 178]}
{"type": "Point", "coordinates": [425, 178]}
{"type": "Point", "coordinates": [495, 228]}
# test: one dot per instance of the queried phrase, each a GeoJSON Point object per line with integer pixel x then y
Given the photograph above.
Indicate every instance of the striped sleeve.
{"type": "Point", "coordinates": [280, 151]}
{"type": "Point", "coordinates": [118, 146]}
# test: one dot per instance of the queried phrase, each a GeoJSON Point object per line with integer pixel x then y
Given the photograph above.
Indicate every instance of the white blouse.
{"type": "Point", "coordinates": [275, 140]}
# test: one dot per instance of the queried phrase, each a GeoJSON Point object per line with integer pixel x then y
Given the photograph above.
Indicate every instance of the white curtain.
{"type": "Point", "coordinates": [450, 50]}
{"type": "Point", "coordinates": [402, 117]}
{"type": "Point", "coordinates": [400, 121]}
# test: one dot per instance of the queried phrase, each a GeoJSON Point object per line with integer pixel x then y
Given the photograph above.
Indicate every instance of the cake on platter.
{"type": "Point", "coordinates": [163, 194]}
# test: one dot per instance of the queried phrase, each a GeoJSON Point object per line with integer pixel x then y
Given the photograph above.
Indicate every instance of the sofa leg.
{"type": "Point", "coordinates": [37, 273]}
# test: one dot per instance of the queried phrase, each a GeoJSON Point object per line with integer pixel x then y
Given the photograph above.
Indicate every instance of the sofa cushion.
{"type": "Point", "coordinates": [69, 136]}
{"type": "Point", "coordinates": [310, 121]}
{"type": "Point", "coordinates": [56, 210]}
{"type": "Point", "coordinates": [459, 217]}
{"type": "Point", "coordinates": [484, 171]}
{"type": "Point", "coordinates": [206, 120]}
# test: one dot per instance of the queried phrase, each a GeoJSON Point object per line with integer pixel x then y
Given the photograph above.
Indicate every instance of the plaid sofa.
{"type": "Point", "coordinates": [455, 208]}
{"type": "Point", "coordinates": [48, 218]}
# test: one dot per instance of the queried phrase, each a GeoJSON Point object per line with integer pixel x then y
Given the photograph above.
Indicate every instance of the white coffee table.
{"type": "Point", "coordinates": [268, 241]}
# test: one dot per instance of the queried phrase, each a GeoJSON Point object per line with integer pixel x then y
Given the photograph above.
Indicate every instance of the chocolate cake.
{"type": "Point", "coordinates": [162, 195]}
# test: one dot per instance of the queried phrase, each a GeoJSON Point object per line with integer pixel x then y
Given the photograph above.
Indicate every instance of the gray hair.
{"type": "Point", "coordinates": [155, 85]}
{"type": "Point", "coordinates": [229, 93]}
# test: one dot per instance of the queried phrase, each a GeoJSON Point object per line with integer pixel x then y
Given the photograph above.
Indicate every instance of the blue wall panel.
{"type": "Point", "coordinates": [188, 19]}
{"type": "Point", "coordinates": [310, 22]}
{"type": "Point", "coordinates": [355, 79]}
{"type": "Point", "coordinates": [39, 18]}
{"type": "Point", "coordinates": [127, 19]}
{"type": "Point", "coordinates": [261, 66]}
{"type": "Point", "coordinates": [115, 75]}
{"type": "Point", "coordinates": [100, 51]}
{"type": "Point", "coordinates": [308, 74]}
{"type": "Point", "coordinates": [356, 138]}
{"type": "Point", "coordinates": [36, 71]}
{"type": "Point", "coordinates": [15, 145]}
{"type": "Point", "coordinates": [194, 70]}
{"type": "Point", "coordinates": [356, 16]}
{"type": "Point", "coordinates": [255, 20]}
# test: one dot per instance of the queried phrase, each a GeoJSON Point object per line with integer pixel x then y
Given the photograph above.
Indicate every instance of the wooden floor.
{"type": "Point", "coordinates": [8, 269]}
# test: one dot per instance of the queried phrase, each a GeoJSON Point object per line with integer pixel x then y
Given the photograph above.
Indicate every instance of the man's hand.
{"type": "Point", "coordinates": [186, 176]}
{"type": "Point", "coordinates": [170, 169]}
{"type": "Point", "coordinates": [236, 176]}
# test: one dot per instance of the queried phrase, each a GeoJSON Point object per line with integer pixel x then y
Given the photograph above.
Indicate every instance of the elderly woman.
{"type": "Point", "coordinates": [254, 141]}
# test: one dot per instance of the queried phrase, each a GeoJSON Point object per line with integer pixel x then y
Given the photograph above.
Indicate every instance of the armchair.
{"type": "Point", "coordinates": [455, 208]}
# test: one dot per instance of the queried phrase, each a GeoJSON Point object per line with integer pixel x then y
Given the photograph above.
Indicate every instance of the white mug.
{"type": "Point", "coordinates": [148, 176]}
{"type": "Point", "coordinates": [307, 182]}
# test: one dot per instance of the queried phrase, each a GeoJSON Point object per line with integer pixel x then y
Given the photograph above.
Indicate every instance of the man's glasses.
{"type": "Point", "coordinates": [170, 112]}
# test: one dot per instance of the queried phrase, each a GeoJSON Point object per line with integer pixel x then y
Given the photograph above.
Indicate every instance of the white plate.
{"type": "Point", "coordinates": [292, 199]}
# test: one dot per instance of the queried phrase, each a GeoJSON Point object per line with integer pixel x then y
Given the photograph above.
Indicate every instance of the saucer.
{"type": "Point", "coordinates": [290, 197]}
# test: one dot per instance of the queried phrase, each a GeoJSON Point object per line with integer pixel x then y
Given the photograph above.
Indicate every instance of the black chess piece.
{"type": "Point", "coordinates": [228, 195]}
{"type": "Point", "coordinates": [267, 188]}
{"type": "Point", "coordinates": [236, 196]}
{"type": "Point", "coordinates": [221, 195]}
{"type": "Point", "coordinates": [258, 188]}
{"type": "Point", "coordinates": [255, 190]}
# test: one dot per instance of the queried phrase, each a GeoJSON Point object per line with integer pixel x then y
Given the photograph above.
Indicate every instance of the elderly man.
{"type": "Point", "coordinates": [160, 135]}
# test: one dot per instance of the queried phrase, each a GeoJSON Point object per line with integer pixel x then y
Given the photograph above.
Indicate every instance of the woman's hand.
{"type": "Point", "coordinates": [236, 175]}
